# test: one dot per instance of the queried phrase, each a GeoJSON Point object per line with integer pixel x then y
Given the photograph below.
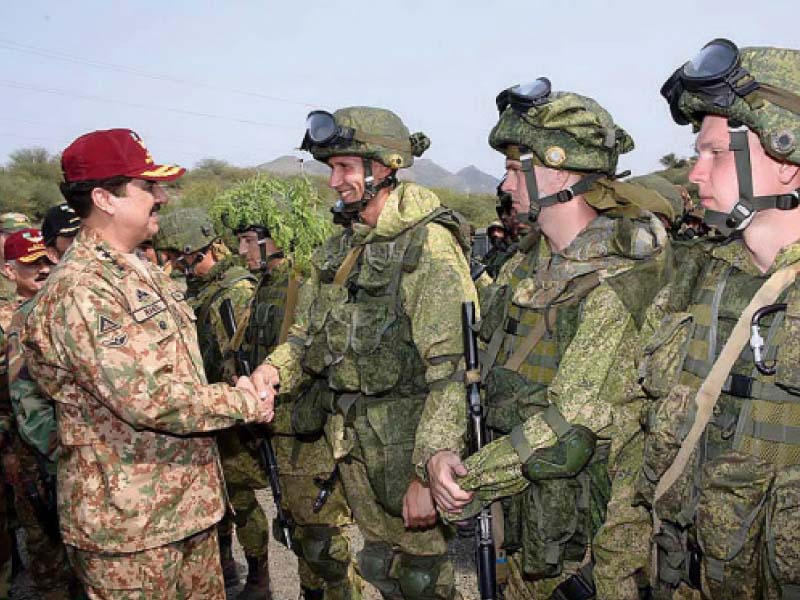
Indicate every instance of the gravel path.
{"type": "Point", "coordinates": [283, 568]}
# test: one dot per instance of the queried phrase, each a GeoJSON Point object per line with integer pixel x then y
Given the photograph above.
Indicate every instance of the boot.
{"type": "Point", "coordinates": [230, 570]}
{"type": "Point", "coordinates": [257, 585]}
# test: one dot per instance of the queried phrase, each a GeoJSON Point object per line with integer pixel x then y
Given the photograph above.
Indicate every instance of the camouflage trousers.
{"type": "Point", "coordinates": [400, 562]}
{"type": "Point", "coordinates": [188, 569]}
{"type": "Point", "coordinates": [325, 559]}
{"type": "Point", "coordinates": [243, 475]}
{"type": "Point", "coordinates": [50, 570]}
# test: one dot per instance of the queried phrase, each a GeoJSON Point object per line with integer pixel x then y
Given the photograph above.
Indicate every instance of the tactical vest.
{"type": "Point", "coordinates": [730, 520]}
{"type": "Point", "coordinates": [266, 316]}
{"type": "Point", "coordinates": [359, 341]}
{"type": "Point", "coordinates": [202, 304]}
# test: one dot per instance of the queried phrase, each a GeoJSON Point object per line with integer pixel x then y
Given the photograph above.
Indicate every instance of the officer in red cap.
{"type": "Point", "coordinates": [110, 339]}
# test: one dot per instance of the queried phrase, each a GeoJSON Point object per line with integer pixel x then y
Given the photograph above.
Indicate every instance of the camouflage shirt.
{"type": "Point", "coordinates": [7, 309]}
{"type": "Point", "coordinates": [112, 342]}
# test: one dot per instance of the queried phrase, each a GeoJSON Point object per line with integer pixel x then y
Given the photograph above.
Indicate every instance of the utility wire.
{"type": "Point", "coordinates": [71, 94]}
{"type": "Point", "coordinates": [54, 54]}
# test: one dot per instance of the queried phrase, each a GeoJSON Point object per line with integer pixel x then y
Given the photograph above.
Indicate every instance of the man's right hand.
{"type": "Point", "coordinates": [266, 379]}
{"type": "Point", "coordinates": [266, 401]}
{"type": "Point", "coordinates": [443, 468]}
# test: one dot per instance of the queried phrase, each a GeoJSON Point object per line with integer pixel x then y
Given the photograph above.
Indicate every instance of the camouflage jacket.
{"type": "Point", "coordinates": [8, 289]}
{"type": "Point", "coordinates": [225, 281]}
{"type": "Point", "coordinates": [597, 366]}
{"type": "Point", "coordinates": [431, 297]}
{"type": "Point", "coordinates": [112, 342]}
{"type": "Point", "coordinates": [7, 309]}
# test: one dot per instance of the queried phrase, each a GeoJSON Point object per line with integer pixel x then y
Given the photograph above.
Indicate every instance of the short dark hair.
{"type": "Point", "coordinates": [79, 193]}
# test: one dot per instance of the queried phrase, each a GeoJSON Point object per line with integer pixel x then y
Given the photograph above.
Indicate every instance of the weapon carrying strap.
{"type": "Point", "coordinates": [290, 309]}
{"type": "Point", "coordinates": [709, 391]}
{"type": "Point", "coordinates": [347, 265]}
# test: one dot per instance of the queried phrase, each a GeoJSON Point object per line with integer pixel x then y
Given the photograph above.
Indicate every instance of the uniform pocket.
{"type": "Point", "coordinates": [387, 436]}
{"type": "Point", "coordinates": [783, 535]}
{"type": "Point", "coordinates": [730, 523]}
{"type": "Point", "coordinates": [665, 353]}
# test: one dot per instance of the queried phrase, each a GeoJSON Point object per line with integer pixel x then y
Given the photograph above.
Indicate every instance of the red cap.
{"type": "Point", "coordinates": [113, 153]}
{"type": "Point", "coordinates": [25, 245]}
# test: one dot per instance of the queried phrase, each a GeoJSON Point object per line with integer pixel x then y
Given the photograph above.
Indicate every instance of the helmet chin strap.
{"type": "Point", "coordinates": [189, 269]}
{"type": "Point", "coordinates": [742, 213]}
{"type": "Point", "coordinates": [266, 258]}
{"type": "Point", "coordinates": [565, 195]}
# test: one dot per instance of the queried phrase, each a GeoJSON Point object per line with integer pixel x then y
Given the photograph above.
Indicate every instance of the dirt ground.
{"type": "Point", "coordinates": [283, 568]}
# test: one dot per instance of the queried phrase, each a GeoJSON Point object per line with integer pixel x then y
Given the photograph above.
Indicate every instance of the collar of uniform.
{"type": "Point", "coordinates": [736, 254]}
{"type": "Point", "coordinates": [90, 243]}
{"type": "Point", "coordinates": [406, 206]}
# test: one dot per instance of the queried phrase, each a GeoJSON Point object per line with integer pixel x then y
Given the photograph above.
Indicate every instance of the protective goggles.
{"type": "Point", "coordinates": [322, 130]}
{"type": "Point", "coordinates": [524, 97]}
{"type": "Point", "coordinates": [715, 73]}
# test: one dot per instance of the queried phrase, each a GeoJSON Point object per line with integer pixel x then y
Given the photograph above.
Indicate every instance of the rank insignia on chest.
{"type": "Point", "coordinates": [141, 295]}
{"type": "Point", "coordinates": [117, 341]}
{"type": "Point", "coordinates": [106, 325]}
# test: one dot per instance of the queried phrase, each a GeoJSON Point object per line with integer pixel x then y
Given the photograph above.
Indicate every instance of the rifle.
{"type": "Point", "coordinates": [485, 552]}
{"type": "Point", "coordinates": [265, 450]}
{"type": "Point", "coordinates": [325, 489]}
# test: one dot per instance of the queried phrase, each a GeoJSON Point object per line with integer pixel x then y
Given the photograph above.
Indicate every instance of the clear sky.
{"type": "Point", "coordinates": [235, 79]}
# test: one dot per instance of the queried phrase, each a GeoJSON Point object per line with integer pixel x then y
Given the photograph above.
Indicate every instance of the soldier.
{"type": "Point", "coordinates": [722, 457]}
{"type": "Point", "coordinates": [59, 228]}
{"type": "Point", "coordinates": [563, 325]}
{"type": "Point", "coordinates": [33, 450]}
{"type": "Point", "coordinates": [383, 335]}
{"type": "Point", "coordinates": [501, 248]}
{"type": "Point", "coordinates": [139, 481]}
{"type": "Point", "coordinates": [188, 237]}
{"type": "Point", "coordinates": [268, 215]}
{"type": "Point", "coordinates": [9, 223]}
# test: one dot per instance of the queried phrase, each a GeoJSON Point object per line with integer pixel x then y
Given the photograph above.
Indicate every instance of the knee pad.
{"type": "Point", "coordinates": [374, 564]}
{"type": "Point", "coordinates": [317, 543]}
{"type": "Point", "coordinates": [425, 577]}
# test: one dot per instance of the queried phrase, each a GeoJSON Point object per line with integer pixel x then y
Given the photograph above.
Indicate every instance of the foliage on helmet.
{"type": "Point", "coordinates": [569, 131]}
{"type": "Point", "coordinates": [184, 230]}
{"type": "Point", "coordinates": [290, 209]}
{"type": "Point", "coordinates": [777, 128]}
{"type": "Point", "coordinates": [375, 122]}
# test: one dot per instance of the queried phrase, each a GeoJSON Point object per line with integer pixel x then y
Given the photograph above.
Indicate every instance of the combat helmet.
{"type": "Point", "coordinates": [557, 130]}
{"type": "Point", "coordinates": [184, 230]}
{"type": "Point", "coordinates": [370, 133]}
{"type": "Point", "coordinates": [755, 87]}
{"type": "Point", "coordinates": [285, 210]}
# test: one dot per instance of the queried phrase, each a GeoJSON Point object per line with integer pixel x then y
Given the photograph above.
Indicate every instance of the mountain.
{"type": "Point", "coordinates": [424, 172]}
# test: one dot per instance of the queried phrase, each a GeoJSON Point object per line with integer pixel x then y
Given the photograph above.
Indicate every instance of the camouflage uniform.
{"type": "Point", "coordinates": [9, 223]}
{"type": "Point", "coordinates": [111, 342]}
{"type": "Point", "coordinates": [727, 524]}
{"type": "Point", "coordinates": [34, 501]}
{"type": "Point", "coordinates": [562, 329]}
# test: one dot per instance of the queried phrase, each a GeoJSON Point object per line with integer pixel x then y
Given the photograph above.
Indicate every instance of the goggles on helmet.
{"type": "Point", "coordinates": [322, 130]}
{"type": "Point", "coordinates": [715, 73]}
{"type": "Point", "coordinates": [525, 96]}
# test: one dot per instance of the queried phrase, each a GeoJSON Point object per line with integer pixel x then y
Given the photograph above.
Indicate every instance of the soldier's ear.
{"type": "Point", "coordinates": [103, 200]}
{"type": "Point", "coordinates": [789, 174]}
{"type": "Point", "coordinates": [9, 271]}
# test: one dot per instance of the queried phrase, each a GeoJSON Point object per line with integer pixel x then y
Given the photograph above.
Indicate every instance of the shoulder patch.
{"type": "Point", "coordinates": [106, 325]}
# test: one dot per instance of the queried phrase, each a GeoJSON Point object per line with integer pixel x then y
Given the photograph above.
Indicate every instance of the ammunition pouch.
{"type": "Point", "coordinates": [511, 398]}
{"type": "Point", "coordinates": [311, 408]}
{"type": "Point", "coordinates": [386, 429]}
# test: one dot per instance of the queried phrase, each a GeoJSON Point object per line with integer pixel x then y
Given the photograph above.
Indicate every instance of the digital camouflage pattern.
{"type": "Point", "coordinates": [778, 128]}
{"type": "Point", "coordinates": [396, 149]}
{"type": "Point", "coordinates": [734, 499]}
{"type": "Point", "coordinates": [585, 367]}
{"type": "Point", "coordinates": [35, 447]}
{"type": "Point", "coordinates": [290, 210]}
{"type": "Point", "coordinates": [428, 296]}
{"type": "Point", "coordinates": [569, 132]}
{"type": "Point", "coordinates": [11, 222]}
{"type": "Point", "coordinates": [188, 568]}
{"type": "Point", "coordinates": [111, 341]}
{"type": "Point", "coordinates": [184, 230]}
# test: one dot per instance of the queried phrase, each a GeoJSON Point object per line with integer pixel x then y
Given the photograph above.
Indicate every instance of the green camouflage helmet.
{"type": "Point", "coordinates": [184, 230]}
{"type": "Point", "coordinates": [290, 209]}
{"type": "Point", "coordinates": [569, 131]}
{"type": "Point", "coordinates": [378, 134]}
{"type": "Point", "coordinates": [11, 222]}
{"type": "Point", "coordinates": [778, 128]}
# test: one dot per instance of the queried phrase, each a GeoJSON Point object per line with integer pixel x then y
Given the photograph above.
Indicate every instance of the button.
{"type": "Point", "coordinates": [162, 324]}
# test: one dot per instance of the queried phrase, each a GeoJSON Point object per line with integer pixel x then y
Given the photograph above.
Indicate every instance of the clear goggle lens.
{"type": "Point", "coordinates": [525, 95]}
{"type": "Point", "coordinates": [717, 59]}
{"type": "Point", "coordinates": [321, 127]}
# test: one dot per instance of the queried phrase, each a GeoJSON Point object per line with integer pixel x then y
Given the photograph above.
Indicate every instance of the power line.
{"type": "Point", "coordinates": [54, 54]}
{"type": "Point", "coordinates": [71, 94]}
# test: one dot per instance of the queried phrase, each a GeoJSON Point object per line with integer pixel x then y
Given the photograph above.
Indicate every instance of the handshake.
{"type": "Point", "coordinates": [262, 384]}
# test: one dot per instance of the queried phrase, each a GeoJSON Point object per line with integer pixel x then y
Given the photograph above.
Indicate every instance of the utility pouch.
{"type": "Point", "coordinates": [783, 534]}
{"type": "Point", "coordinates": [386, 430]}
{"type": "Point", "coordinates": [511, 398]}
{"type": "Point", "coordinates": [730, 524]}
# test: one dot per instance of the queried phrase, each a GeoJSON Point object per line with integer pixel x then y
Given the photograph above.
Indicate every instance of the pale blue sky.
{"type": "Point", "coordinates": [256, 68]}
